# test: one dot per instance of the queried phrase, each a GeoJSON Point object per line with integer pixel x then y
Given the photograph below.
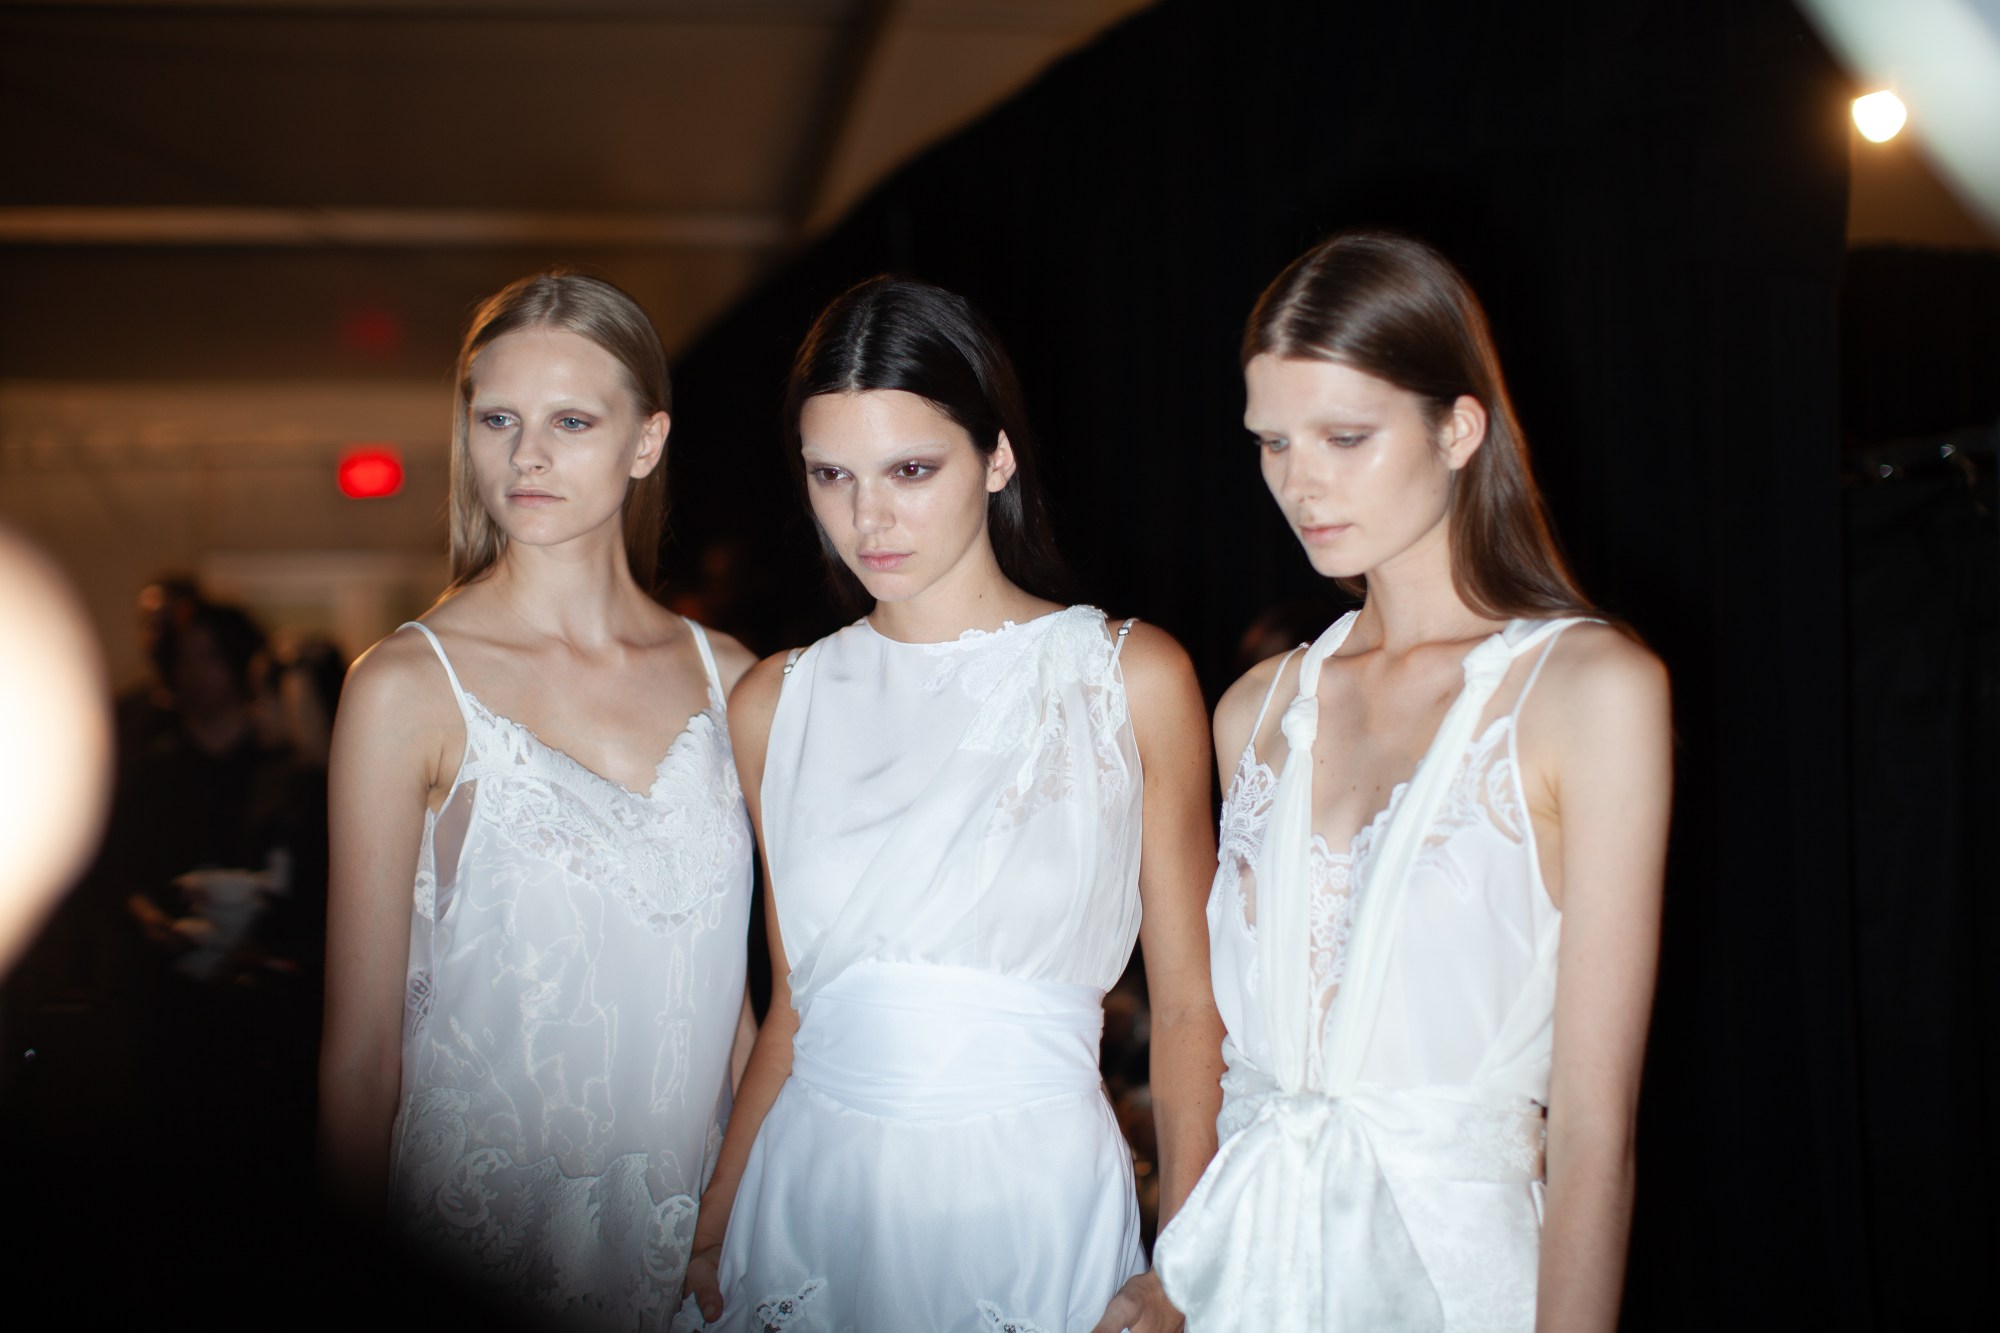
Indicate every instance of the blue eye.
{"type": "Point", "coordinates": [1275, 444]}
{"type": "Point", "coordinates": [496, 421]}
{"type": "Point", "coordinates": [572, 423]}
{"type": "Point", "coordinates": [1347, 441]}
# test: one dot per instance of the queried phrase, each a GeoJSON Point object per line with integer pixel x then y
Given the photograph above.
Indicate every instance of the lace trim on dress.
{"type": "Point", "coordinates": [776, 1313]}
{"type": "Point", "coordinates": [1485, 794]}
{"type": "Point", "coordinates": [665, 853]}
{"type": "Point", "coordinates": [1007, 1323]}
{"type": "Point", "coordinates": [1056, 761]}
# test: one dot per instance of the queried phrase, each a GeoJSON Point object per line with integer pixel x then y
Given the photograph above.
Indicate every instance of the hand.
{"type": "Point", "coordinates": [704, 1280]}
{"type": "Point", "coordinates": [1141, 1306]}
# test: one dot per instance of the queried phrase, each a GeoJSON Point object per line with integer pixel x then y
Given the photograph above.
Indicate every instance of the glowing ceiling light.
{"type": "Point", "coordinates": [1879, 116]}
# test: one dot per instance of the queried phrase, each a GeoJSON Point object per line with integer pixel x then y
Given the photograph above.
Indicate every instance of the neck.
{"type": "Point", "coordinates": [580, 593]}
{"type": "Point", "coordinates": [1413, 601]}
{"type": "Point", "coordinates": [974, 595]}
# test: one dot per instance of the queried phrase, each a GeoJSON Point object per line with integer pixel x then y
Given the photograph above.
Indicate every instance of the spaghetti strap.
{"type": "Point", "coordinates": [792, 660]}
{"type": "Point", "coordinates": [1553, 634]}
{"type": "Point", "coordinates": [457, 690]}
{"type": "Point", "coordinates": [1118, 646]}
{"type": "Point", "coordinates": [707, 658]}
{"type": "Point", "coordinates": [1271, 693]}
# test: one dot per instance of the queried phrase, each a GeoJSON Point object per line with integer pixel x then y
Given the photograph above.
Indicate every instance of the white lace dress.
{"type": "Point", "coordinates": [575, 977]}
{"type": "Point", "coordinates": [953, 834]}
{"type": "Point", "coordinates": [1385, 1171]}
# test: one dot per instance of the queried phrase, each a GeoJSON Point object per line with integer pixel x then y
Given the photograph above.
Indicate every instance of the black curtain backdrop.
{"type": "Point", "coordinates": [1651, 199]}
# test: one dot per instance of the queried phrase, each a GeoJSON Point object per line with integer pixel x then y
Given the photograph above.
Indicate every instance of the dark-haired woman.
{"type": "Point", "coordinates": [541, 863]}
{"type": "Point", "coordinates": [959, 840]}
{"type": "Point", "coordinates": [1435, 920]}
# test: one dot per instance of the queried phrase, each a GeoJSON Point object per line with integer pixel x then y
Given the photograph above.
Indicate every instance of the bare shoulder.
{"type": "Point", "coordinates": [755, 697]}
{"type": "Point", "coordinates": [398, 682]}
{"type": "Point", "coordinates": [1599, 674]}
{"type": "Point", "coordinates": [1154, 663]}
{"type": "Point", "coordinates": [732, 659]}
{"type": "Point", "coordinates": [1236, 713]}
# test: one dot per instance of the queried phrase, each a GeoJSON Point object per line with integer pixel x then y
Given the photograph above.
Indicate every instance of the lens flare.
{"type": "Point", "coordinates": [1879, 116]}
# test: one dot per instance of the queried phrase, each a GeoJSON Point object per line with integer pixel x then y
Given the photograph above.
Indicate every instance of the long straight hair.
{"type": "Point", "coordinates": [898, 333]}
{"type": "Point", "coordinates": [1392, 307]}
{"type": "Point", "coordinates": [590, 308]}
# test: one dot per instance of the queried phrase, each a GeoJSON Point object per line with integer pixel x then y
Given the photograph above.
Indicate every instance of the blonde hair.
{"type": "Point", "coordinates": [590, 308]}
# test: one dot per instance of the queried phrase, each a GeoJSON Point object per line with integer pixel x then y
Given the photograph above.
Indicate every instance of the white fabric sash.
{"type": "Point", "coordinates": [912, 1041]}
{"type": "Point", "coordinates": [1295, 1226]}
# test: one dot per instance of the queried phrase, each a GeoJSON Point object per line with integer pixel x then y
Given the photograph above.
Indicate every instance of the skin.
{"type": "Point", "coordinates": [556, 635]}
{"type": "Point", "coordinates": [1363, 473]}
{"type": "Point", "coordinates": [902, 493]}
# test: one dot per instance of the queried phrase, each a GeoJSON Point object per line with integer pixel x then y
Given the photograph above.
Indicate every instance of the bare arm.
{"type": "Point", "coordinates": [1606, 768]}
{"type": "Point", "coordinates": [751, 707]}
{"type": "Point", "coordinates": [1177, 863]}
{"type": "Point", "coordinates": [396, 713]}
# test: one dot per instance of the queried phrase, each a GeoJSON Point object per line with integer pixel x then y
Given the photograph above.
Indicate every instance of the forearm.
{"type": "Point", "coordinates": [1186, 1081]}
{"type": "Point", "coordinates": [1586, 1229]}
{"type": "Point", "coordinates": [357, 1110]}
{"type": "Point", "coordinates": [763, 1078]}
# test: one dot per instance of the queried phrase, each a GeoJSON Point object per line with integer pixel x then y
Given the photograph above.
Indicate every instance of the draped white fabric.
{"type": "Point", "coordinates": [953, 834]}
{"type": "Point", "coordinates": [1381, 1123]}
{"type": "Point", "coordinates": [575, 975]}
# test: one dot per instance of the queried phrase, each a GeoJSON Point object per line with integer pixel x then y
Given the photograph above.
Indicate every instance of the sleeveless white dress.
{"type": "Point", "coordinates": [1382, 1126]}
{"type": "Point", "coordinates": [953, 836]}
{"type": "Point", "coordinates": [575, 978]}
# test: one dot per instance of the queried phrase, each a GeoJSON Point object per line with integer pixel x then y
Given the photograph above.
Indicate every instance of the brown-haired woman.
{"type": "Point", "coordinates": [1435, 922]}
{"type": "Point", "coordinates": [541, 866]}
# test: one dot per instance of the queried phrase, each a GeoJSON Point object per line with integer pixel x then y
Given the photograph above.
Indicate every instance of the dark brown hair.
{"type": "Point", "coordinates": [1392, 307]}
{"type": "Point", "coordinates": [898, 333]}
{"type": "Point", "coordinates": [591, 308]}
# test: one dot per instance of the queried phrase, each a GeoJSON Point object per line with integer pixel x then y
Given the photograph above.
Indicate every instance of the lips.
{"type": "Point", "coordinates": [882, 561]}
{"type": "Point", "coordinates": [1316, 534]}
{"type": "Point", "coordinates": [531, 497]}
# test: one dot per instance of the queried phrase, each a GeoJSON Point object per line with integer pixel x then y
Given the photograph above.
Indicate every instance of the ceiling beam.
{"type": "Point", "coordinates": [385, 227]}
{"type": "Point", "coordinates": [855, 43]}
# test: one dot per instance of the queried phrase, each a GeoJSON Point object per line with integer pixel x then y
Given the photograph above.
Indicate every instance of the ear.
{"type": "Point", "coordinates": [1464, 431]}
{"type": "Point", "coordinates": [1000, 465]}
{"type": "Point", "coordinates": [652, 444]}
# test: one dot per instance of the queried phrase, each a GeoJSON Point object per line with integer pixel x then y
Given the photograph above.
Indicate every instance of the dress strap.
{"type": "Point", "coordinates": [1125, 629]}
{"type": "Point", "coordinates": [792, 660]}
{"type": "Point", "coordinates": [457, 690]}
{"type": "Point", "coordinates": [1558, 627]}
{"type": "Point", "coordinates": [1271, 693]}
{"type": "Point", "coordinates": [707, 658]}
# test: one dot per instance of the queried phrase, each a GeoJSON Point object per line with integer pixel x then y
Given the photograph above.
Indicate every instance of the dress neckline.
{"type": "Point", "coordinates": [678, 745]}
{"type": "Point", "coordinates": [971, 637]}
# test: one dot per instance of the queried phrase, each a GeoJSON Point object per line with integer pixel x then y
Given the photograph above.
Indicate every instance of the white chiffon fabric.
{"type": "Point", "coordinates": [1390, 1014]}
{"type": "Point", "coordinates": [575, 976]}
{"type": "Point", "coordinates": [953, 836]}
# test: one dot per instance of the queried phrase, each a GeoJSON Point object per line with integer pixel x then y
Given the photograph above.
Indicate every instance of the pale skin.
{"type": "Point", "coordinates": [556, 635]}
{"type": "Point", "coordinates": [1363, 474]}
{"type": "Point", "coordinates": [902, 494]}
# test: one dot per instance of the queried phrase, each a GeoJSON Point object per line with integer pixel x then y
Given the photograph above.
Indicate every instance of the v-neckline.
{"type": "Point", "coordinates": [659, 769]}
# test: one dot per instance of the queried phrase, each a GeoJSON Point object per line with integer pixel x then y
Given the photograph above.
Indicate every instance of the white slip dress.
{"type": "Point", "coordinates": [953, 838]}
{"type": "Point", "coordinates": [575, 978]}
{"type": "Point", "coordinates": [1382, 1125]}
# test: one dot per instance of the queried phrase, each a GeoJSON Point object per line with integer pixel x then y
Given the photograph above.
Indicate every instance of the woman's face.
{"type": "Point", "coordinates": [556, 436]}
{"type": "Point", "coordinates": [897, 487]}
{"type": "Point", "coordinates": [1359, 468]}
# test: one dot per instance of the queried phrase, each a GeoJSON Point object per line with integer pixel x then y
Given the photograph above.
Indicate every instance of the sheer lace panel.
{"type": "Point", "coordinates": [1485, 797]}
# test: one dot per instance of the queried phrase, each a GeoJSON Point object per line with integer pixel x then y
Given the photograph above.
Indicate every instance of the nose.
{"type": "Point", "coordinates": [873, 510]}
{"type": "Point", "coordinates": [531, 451]}
{"type": "Point", "coordinates": [1299, 474]}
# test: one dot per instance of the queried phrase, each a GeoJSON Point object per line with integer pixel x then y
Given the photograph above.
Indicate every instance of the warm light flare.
{"type": "Point", "coordinates": [1879, 116]}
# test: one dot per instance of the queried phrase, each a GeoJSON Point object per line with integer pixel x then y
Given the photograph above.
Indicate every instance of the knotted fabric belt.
{"type": "Point", "coordinates": [913, 1041]}
{"type": "Point", "coordinates": [1309, 1179]}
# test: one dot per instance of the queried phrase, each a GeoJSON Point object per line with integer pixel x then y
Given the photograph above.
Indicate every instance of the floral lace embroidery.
{"type": "Point", "coordinates": [1059, 762]}
{"type": "Point", "coordinates": [1007, 1323]}
{"type": "Point", "coordinates": [416, 1004]}
{"type": "Point", "coordinates": [665, 853]}
{"type": "Point", "coordinates": [777, 1313]}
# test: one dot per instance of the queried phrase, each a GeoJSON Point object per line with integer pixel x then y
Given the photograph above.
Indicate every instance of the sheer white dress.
{"type": "Point", "coordinates": [953, 836]}
{"type": "Point", "coordinates": [575, 977]}
{"type": "Point", "coordinates": [1382, 1126]}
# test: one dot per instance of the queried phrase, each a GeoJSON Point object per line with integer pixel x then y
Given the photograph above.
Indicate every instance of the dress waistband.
{"type": "Point", "coordinates": [912, 1041]}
